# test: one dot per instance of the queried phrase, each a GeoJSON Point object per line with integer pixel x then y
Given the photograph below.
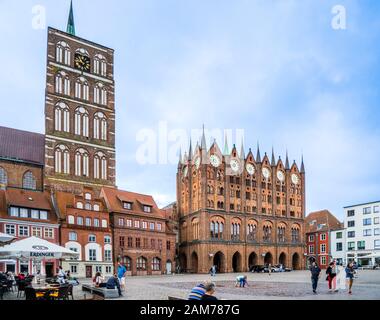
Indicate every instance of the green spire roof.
{"type": "Point", "coordinates": [70, 23]}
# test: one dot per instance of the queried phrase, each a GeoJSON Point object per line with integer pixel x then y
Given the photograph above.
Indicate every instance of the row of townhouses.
{"type": "Point", "coordinates": [357, 238]}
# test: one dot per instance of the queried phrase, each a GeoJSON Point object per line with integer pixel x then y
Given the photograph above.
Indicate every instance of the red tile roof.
{"type": "Point", "coordinates": [322, 220]}
{"type": "Point", "coordinates": [114, 199]}
{"type": "Point", "coordinates": [26, 199]}
{"type": "Point", "coordinates": [22, 145]}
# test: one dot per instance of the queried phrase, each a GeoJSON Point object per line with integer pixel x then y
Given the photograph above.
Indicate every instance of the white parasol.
{"type": "Point", "coordinates": [4, 238]}
{"type": "Point", "coordinates": [36, 249]}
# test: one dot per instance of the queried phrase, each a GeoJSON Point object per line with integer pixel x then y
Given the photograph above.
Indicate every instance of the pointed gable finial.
{"type": "Point", "coordinates": [287, 166]}
{"type": "Point", "coordinates": [190, 151]}
{"type": "Point", "coordinates": [203, 141]}
{"type": "Point", "coordinates": [258, 156]}
{"type": "Point", "coordinates": [226, 149]}
{"type": "Point", "coordinates": [70, 23]}
{"type": "Point", "coordinates": [302, 166]}
{"type": "Point", "coordinates": [273, 162]}
{"type": "Point", "coordinates": [180, 156]}
{"type": "Point", "coordinates": [242, 152]}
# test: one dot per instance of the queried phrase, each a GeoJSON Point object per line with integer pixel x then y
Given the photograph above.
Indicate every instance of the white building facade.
{"type": "Point", "coordinates": [338, 245]}
{"type": "Point", "coordinates": [362, 224]}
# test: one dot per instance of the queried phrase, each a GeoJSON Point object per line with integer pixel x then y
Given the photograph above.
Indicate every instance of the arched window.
{"type": "Point", "coordinates": [100, 166]}
{"type": "Point", "coordinates": [156, 264]}
{"type": "Point", "coordinates": [29, 181]}
{"type": "Point", "coordinates": [82, 89]}
{"type": "Point", "coordinates": [281, 234]}
{"type": "Point", "coordinates": [62, 83]}
{"type": "Point", "coordinates": [295, 234]}
{"type": "Point", "coordinates": [251, 231]}
{"type": "Point", "coordinates": [235, 230]}
{"type": "Point", "coordinates": [100, 126]}
{"type": "Point", "coordinates": [267, 233]}
{"type": "Point", "coordinates": [100, 65]}
{"type": "Point", "coordinates": [81, 122]}
{"type": "Point", "coordinates": [70, 219]}
{"type": "Point", "coordinates": [81, 163]}
{"type": "Point", "coordinates": [100, 94]}
{"type": "Point", "coordinates": [141, 264]}
{"type": "Point", "coordinates": [216, 228]}
{"type": "Point", "coordinates": [62, 117]}
{"type": "Point", "coordinates": [62, 159]}
{"type": "Point", "coordinates": [79, 205]}
{"type": "Point", "coordinates": [3, 179]}
{"type": "Point", "coordinates": [63, 53]}
{"type": "Point", "coordinates": [58, 83]}
{"type": "Point", "coordinates": [128, 263]}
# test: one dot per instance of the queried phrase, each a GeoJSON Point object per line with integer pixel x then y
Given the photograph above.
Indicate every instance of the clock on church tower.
{"type": "Point", "coordinates": [80, 113]}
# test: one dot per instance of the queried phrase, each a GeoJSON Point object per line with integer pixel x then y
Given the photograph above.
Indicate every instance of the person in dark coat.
{"type": "Point", "coordinates": [113, 283]}
{"type": "Point", "coordinates": [210, 289]}
{"type": "Point", "coordinates": [331, 276]}
{"type": "Point", "coordinates": [315, 274]}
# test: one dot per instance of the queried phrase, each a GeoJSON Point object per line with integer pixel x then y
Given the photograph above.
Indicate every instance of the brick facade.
{"type": "Point", "coordinates": [56, 137]}
{"type": "Point", "coordinates": [234, 218]}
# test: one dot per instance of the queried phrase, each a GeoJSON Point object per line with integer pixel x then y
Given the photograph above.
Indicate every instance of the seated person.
{"type": "Point", "coordinates": [71, 280]}
{"type": "Point", "coordinates": [197, 292]}
{"type": "Point", "coordinates": [21, 276]}
{"type": "Point", "coordinates": [210, 290]}
{"type": "Point", "coordinates": [98, 280]}
{"type": "Point", "coordinates": [113, 283]}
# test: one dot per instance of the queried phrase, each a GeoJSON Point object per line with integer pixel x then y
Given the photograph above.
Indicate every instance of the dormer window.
{"type": "Point", "coordinates": [148, 209]}
{"type": "Point", "coordinates": [87, 196]}
{"type": "Point", "coordinates": [127, 205]}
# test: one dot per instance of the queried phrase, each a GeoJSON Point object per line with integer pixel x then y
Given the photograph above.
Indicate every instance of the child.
{"type": "Point", "coordinates": [241, 281]}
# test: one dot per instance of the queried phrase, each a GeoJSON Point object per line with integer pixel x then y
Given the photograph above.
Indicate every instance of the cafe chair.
{"type": "Point", "coordinates": [30, 293]}
{"type": "Point", "coordinates": [21, 288]}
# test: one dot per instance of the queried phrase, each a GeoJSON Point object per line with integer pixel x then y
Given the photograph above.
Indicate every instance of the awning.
{"type": "Point", "coordinates": [35, 249]}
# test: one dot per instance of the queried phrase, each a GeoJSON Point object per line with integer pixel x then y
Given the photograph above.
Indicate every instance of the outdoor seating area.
{"type": "Point", "coordinates": [25, 288]}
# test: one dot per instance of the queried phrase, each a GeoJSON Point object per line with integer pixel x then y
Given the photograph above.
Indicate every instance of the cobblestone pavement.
{"type": "Point", "coordinates": [294, 285]}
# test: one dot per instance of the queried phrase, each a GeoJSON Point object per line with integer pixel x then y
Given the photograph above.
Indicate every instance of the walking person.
{"type": "Point", "coordinates": [350, 276]}
{"type": "Point", "coordinates": [341, 278]}
{"type": "Point", "coordinates": [269, 269]}
{"type": "Point", "coordinates": [121, 273]}
{"type": "Point", "coordinates": [331, 276]}
{"type": "Point", "coordinates": [213, 270]}
{"type": "Point", "coordinates": [315, 274]}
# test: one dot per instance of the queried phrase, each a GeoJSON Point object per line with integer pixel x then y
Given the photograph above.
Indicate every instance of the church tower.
{"type": "Point", "coordinates": [79, 112]}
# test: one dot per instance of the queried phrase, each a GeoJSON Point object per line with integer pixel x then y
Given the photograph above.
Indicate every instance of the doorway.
{"type": "Point", "coordinates": [88, 272]}
{"type": "Point", "coordinates": [49, 269]}
{"type": "Point", "coordinates": [236, 262]}
{"type": "Point", "coordinates": [168, 267]}
{"type": "Point", "coordinates": [219, 262]}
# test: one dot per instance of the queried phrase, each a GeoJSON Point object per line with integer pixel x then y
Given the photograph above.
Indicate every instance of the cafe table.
{"type": "Point", "coordinates": [42, 289]}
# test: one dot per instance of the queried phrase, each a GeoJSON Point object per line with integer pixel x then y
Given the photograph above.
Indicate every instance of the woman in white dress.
{"type": "Point", "coordinates": [341, 278]}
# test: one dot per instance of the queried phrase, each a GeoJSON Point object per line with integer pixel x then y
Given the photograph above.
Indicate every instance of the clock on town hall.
{"type": "Point", "coordinates": [82, 62]}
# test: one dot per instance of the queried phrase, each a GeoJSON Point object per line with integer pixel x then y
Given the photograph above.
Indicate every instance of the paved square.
{"type": "Point", "coordinates": [294, 285]}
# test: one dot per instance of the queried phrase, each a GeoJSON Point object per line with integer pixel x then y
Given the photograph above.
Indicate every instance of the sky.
{"type": "Point", "coordinates": [277, 70]}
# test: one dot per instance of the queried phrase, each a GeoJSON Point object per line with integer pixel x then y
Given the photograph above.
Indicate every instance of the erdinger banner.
{"type": "Point", "coordinates": [35, 248]}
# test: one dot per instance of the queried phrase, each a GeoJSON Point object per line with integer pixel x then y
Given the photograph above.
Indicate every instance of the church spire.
{"type": "Point", "coordinates": [191, 151]}
{"type": "Point", "coordinates": [70, 23]}
{"type": "Point", "coordinates": [226, 150]}
{"type": "Point", "coordinates": [302, 166]}
{"type": "Point", "coordinates": [287, 167]}
{"type": "Point", "coordinates": [242, 152]}
{"type": "Point", "coordinates": [258, 156]}
{"type": "Point", "coordinates": [273, 162]}
{"type": "Point", "coordinates": [203, 142]}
